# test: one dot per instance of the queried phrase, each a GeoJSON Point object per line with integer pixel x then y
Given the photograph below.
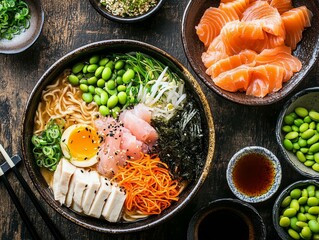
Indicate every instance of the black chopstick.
{"type": "Point", "coordinates": [19, 207]}
{"type": "Point", "coordinates": [50, 224]}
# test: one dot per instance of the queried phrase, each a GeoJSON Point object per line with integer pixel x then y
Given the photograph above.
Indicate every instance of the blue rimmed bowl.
{"type": "Point", "coordinates": [260, 152]}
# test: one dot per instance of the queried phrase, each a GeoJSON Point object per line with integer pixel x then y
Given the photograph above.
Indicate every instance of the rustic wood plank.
{"type": "Point", "coordinates": [71, 24]}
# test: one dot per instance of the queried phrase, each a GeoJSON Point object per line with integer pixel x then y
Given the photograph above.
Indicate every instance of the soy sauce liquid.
{"type": "Point", "coordinates": [253, 174]}
{"type": "Point", "coordinates": [211, 227]}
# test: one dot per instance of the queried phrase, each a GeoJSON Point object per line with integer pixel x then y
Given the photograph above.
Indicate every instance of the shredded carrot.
{"type": "Point", "coordinates": [148, 184]}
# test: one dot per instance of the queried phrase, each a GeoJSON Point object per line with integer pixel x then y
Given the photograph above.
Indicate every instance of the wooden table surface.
{"type": "Point", "coordinates": [71, 24]}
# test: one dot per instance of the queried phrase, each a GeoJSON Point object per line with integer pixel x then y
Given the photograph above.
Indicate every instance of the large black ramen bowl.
{"type": "Point", "coordinates": [117, 46]}
{"type": "Point", "coordinates": [307, 52]}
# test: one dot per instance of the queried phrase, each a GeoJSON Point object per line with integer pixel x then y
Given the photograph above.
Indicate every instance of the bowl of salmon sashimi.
{"type": "Point", "coordinates": [253, 52]}
{"type": "Point", "coordinates": [118, 136]}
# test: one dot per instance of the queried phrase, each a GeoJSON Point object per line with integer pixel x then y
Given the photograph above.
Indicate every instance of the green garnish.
{"type": "Point", "coordinates": [47, 150]}
{"type": "Point", "coordinates": [128, 8]}
{"type": "Point", "coordinates": [14, 18]}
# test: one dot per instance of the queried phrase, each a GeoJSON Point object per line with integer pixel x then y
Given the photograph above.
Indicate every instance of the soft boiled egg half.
{"type": "Point", "coordinates": [79, 144]}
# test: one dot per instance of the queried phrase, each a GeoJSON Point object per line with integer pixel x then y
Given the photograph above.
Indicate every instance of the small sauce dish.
{"type": "Point", "coordinates": [26, 39]}
{"type": "Point", "coordinates": [254, 174]}
{"type": "Point", "coordinates": [245, 221]}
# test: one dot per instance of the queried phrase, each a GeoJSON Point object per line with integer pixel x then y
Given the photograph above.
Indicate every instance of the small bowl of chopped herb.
{"type": "Point", "coordinates": [127, 11]}
{"type": "Point", "coordinates": [21, 23]}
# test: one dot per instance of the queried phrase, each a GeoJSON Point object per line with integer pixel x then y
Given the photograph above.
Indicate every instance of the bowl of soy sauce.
{"type": "Point", "coordinates": [254, 174]}
{"type": "Point", "coordinates": [245, 221]}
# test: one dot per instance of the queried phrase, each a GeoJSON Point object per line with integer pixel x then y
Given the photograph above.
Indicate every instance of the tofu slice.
{"type": "Point", "coordinates": [61, 179]}
{"type": "Point", "coordinates": [92, 187]}
{"type": "Point", "coordinates": [76, 207]}
{"type": "Point", "coordinates": [114, 204]}
{"type": "Point", "coordinates": [100, 197]}
{"type": "Point", "coordinates": [69, 195]}
{"type": "Point", "coordinates": [81, 183]}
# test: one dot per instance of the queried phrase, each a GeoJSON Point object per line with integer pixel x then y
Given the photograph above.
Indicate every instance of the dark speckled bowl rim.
{"type": "Point", "coordinates": [101, 10]}
{"type": "Point", "coordinates": [279, 124]}
{"type": "Point", "coordinates": [228, 203]}
{"type": "Point", "coordinates": [238, 97]}
{"type": "Point", "coordinates": [275, 216]}
{"type": "Point", "coordinates": [37, 17]}
{"type": "Point", "coordinates": [102, 225]}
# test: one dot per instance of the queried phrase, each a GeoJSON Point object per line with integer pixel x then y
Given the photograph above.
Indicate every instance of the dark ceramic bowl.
{"type": "Point", "coordinates": [118, 46]}
{"type": "Point", "coordinates": [242, 218]}
{"type": "Point", "coordinates": [307, 52]}
{"type": "Point", "coordinates": [282, 232]}
{"type": "Point", "coordinates": [26, 39]}
{"type": "Point", "coordinates": [107, 14]}
{"type": "Point", "coordinates": [308, 98]}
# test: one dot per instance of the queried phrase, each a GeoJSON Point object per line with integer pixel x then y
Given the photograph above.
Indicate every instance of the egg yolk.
{"type": "Point", "coordinates": [83, 143]}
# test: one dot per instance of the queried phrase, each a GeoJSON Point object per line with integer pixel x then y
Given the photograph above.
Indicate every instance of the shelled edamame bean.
{"type": "Point", "coordinates": [301, 135]}
{"type": "Point", "coordinates": [299, 212]}
{"type": "Point", "coordinates": [105, 81]}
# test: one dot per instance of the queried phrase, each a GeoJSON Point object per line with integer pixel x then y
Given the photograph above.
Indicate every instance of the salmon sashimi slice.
{"type": "Point", "coordinates": [227, 1]}
{"type": "Point", "coordinates": [265, 79]}
{"type": "Point", "coordinates": [212, 22]}
{"type": "Point", "coordinates": [215, 52]}
{"type": "Point", "coordinates": [234, 80]}
{"type": "Point", "coordinates": [238, 36]}
{"type": "Point", "coordinates": [281, 5]}
{"type": "Point", "coordinates": [238, 5]}
{"type": "Point", "coordinates": [265, 15]}
{"type": "Point", "coordinates": [280, 56]}
{"type": "Point", "coordinates": [245, 57]}
{"type": "Point", "coordinates": [295, 21]}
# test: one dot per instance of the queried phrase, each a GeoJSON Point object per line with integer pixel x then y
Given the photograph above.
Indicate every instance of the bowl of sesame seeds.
{"type": "Point", "coordinates": [127, 11]}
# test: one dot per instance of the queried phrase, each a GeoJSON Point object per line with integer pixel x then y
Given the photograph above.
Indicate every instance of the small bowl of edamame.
{"type": "Point", "coordinates": [297, 132]}
{"type": "Point", "coordinates": [296, 211]}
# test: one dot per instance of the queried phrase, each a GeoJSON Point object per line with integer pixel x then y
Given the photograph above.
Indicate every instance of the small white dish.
{"type": "Point", "coordinates": [254, 174]}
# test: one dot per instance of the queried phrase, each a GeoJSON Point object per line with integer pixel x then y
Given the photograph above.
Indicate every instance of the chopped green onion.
{"type": "Point", "coordinates": [47, 150]}
{"type": "Point", "coordinates": [14, 18]}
